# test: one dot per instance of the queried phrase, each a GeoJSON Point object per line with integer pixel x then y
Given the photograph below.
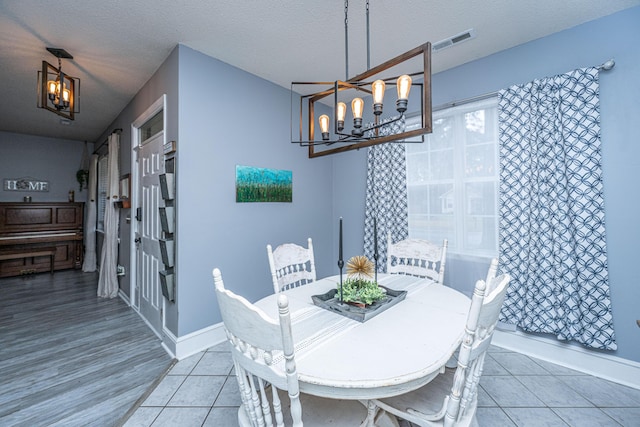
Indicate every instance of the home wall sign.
{"type": "Point", "coordinates": [25, 184]}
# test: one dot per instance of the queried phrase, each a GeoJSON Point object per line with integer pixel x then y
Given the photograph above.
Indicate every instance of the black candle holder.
{"type": "Point", "coordinates": [375, 249]}
{"type": "Point", "coordinates": [340, 261]}
{"type": "Point", "coordinates": [340, 265]}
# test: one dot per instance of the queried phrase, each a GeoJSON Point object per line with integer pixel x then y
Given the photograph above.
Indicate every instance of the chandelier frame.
{"type": "Point", "coordinates": [72, 84]}
{"type": "Point", "coordinates": [360, 83]}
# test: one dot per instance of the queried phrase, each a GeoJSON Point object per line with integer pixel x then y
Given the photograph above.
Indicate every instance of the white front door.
{"type": "Point", "coordinates": [148, 233]}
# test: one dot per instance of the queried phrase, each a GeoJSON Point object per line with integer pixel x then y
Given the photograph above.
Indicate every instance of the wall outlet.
{"type": "Point", "coordinates": [120, 271]}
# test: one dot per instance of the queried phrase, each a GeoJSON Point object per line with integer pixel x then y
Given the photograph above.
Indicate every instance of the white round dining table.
{"type": "Point", "coordinates": [398, 350]}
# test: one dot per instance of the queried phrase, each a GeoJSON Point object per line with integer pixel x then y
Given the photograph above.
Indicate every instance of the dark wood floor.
{"type": "Point", "coordinates": [69, 358]}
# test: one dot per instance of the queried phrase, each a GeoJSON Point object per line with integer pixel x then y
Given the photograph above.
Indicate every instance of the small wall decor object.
{"type": "Point", "coordinates": [167, 251]}
{"type": "Point", "coordinates": [82, 176]}
{"type": "Point", "coordinates": [167, 186]}
{"type": "Point", "coordinates": [167, 219]}
{"type": "Point", "coordinates": [263, 185]}
{"type": "Point", "coordinates": [169, 148]}
{"type": "Point", "coordinates": [167, 284]}
{"type": "Point", "coordinates": [25, 184]}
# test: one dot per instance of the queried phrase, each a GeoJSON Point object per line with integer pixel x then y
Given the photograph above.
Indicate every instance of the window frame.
{"type": "Point", "coordinates": [459, 181]}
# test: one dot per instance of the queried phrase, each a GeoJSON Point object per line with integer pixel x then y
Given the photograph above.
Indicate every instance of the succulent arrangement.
{"type": "Point", "coordinates": [358, 288]}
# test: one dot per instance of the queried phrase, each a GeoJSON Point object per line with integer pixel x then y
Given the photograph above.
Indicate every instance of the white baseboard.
{"type": "Point", "coordinates": [190, 344]}
{"type": "Point", "coordinates": [611, 368]}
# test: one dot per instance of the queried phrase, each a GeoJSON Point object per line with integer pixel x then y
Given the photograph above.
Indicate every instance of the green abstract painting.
{"type": "Point", "coordinates": [263, 185]}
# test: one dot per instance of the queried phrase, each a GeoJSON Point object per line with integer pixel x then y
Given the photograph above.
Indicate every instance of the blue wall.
{"type": "Point", "coordinates": [47, 159]}
{"type": "Point", "coordinates": [164, 81]}
{"type": "Point", "coordinates": [227, 118]}
{"type": "Point", "coordinates": [615, 36]}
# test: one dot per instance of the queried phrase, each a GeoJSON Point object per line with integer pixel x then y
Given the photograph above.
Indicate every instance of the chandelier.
{"type": "Point", "coordinates": [58, 92]}
{"type": "Point", "coordinates": [337, 125]}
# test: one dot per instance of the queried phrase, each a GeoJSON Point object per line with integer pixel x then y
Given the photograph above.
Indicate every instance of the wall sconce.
{"type": "Point", "coordinates": [57, 91]}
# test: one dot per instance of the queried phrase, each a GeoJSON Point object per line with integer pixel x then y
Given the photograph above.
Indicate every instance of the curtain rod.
{"type": "Point", "coordinates": [605, 66]}
{"type": "Point", "coordinates": [116, 130]}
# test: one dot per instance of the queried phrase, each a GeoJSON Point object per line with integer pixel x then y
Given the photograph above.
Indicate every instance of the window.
{"type": "Point", "coordinates": [153, 126]}
{"type": "Point", "coordinates": [452, 179]}
{"type": "Point", "coordinates": [103, 173]}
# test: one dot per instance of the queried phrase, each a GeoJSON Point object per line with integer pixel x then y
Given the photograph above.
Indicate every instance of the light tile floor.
{"type": "Point", "coordinates": [516, 390]}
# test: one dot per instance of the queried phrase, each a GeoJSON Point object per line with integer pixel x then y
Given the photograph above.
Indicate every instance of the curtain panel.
{"type": "Point", "coordinates": [552, 234]}
{"type": "Point", "coordinates": [89, 263]}
{"type": "Point", "coordinates": [108, 278]}
{"type": "Point", "coordinates": [386, 195]}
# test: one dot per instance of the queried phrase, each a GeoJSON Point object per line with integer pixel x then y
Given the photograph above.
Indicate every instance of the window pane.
{"type": "Point", "coordinates": [480, 198]}
{"type": "Point", "coordinates": [480, 234]}
{"type": "Point", "coordinates": [432, 227]}
{"type": "Point", "coordinates": [441, 165]}
{"type": "Point", "coordinates": [442, 135]}
{"type": "Point", "coordinates": [417, 167]}
{"type": "Point", "coordinates": [152, 127]}
{"type": "Point", "coordinates": [480, 160]}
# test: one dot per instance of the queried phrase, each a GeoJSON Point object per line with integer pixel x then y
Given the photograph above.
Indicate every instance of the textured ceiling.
{"type": "Point", "coordinates": [118, 44]}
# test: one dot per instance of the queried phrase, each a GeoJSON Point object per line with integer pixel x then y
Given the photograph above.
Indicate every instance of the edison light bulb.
{"type": "Point", "coordinates": [324, 126]}
{"type": "Point", "coordinates": [377, 88]}
{"type": "Point", "coordinates": [341, 112]}
{"type": "Point", "coordinates": [51, 85]}
{"type": "Point", "coordinates": [403, 85]}
{"type": "Point", "coordinates": [357, 105]}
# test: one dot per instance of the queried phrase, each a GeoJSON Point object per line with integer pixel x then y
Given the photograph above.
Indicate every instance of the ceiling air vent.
{"type": "Point", "coordinates": [458, 38]}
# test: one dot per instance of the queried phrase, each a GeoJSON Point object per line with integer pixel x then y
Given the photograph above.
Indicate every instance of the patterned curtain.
{"type": "Point", "coordinates": [552, 236]}
{"type": "Point", "coordinates": [386, 198]}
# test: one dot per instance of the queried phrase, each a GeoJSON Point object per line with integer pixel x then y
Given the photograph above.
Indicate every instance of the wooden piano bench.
{"type": "Point", "coordinates": [28, 253]}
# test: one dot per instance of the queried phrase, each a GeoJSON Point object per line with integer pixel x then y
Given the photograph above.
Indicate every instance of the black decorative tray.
{"type": "Point", "coordinates": [331, 301]}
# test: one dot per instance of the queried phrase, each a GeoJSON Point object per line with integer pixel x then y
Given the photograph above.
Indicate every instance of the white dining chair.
{"type": "Point", "coordinates": [451, 398]}
{"type": "Point", "coordinates": [291, 265]}
{"type": "Point", "coordinates": [417, 257]}
{"type": "Point", "coordinates": [491, 273]}
{"type": "Point", "coordinates": [264, 360]}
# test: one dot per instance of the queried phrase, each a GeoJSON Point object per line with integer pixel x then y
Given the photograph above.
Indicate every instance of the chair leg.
{"type": "Point", "coordinates": [377, 417]}
{"type": "Point", "coordinates": [372, 409]}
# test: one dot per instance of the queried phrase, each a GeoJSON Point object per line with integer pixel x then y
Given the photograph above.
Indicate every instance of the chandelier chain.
{"type": "Point", "coordinates": [346, 39]}
{"type": "Point", "coordinates": [368, 43]}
